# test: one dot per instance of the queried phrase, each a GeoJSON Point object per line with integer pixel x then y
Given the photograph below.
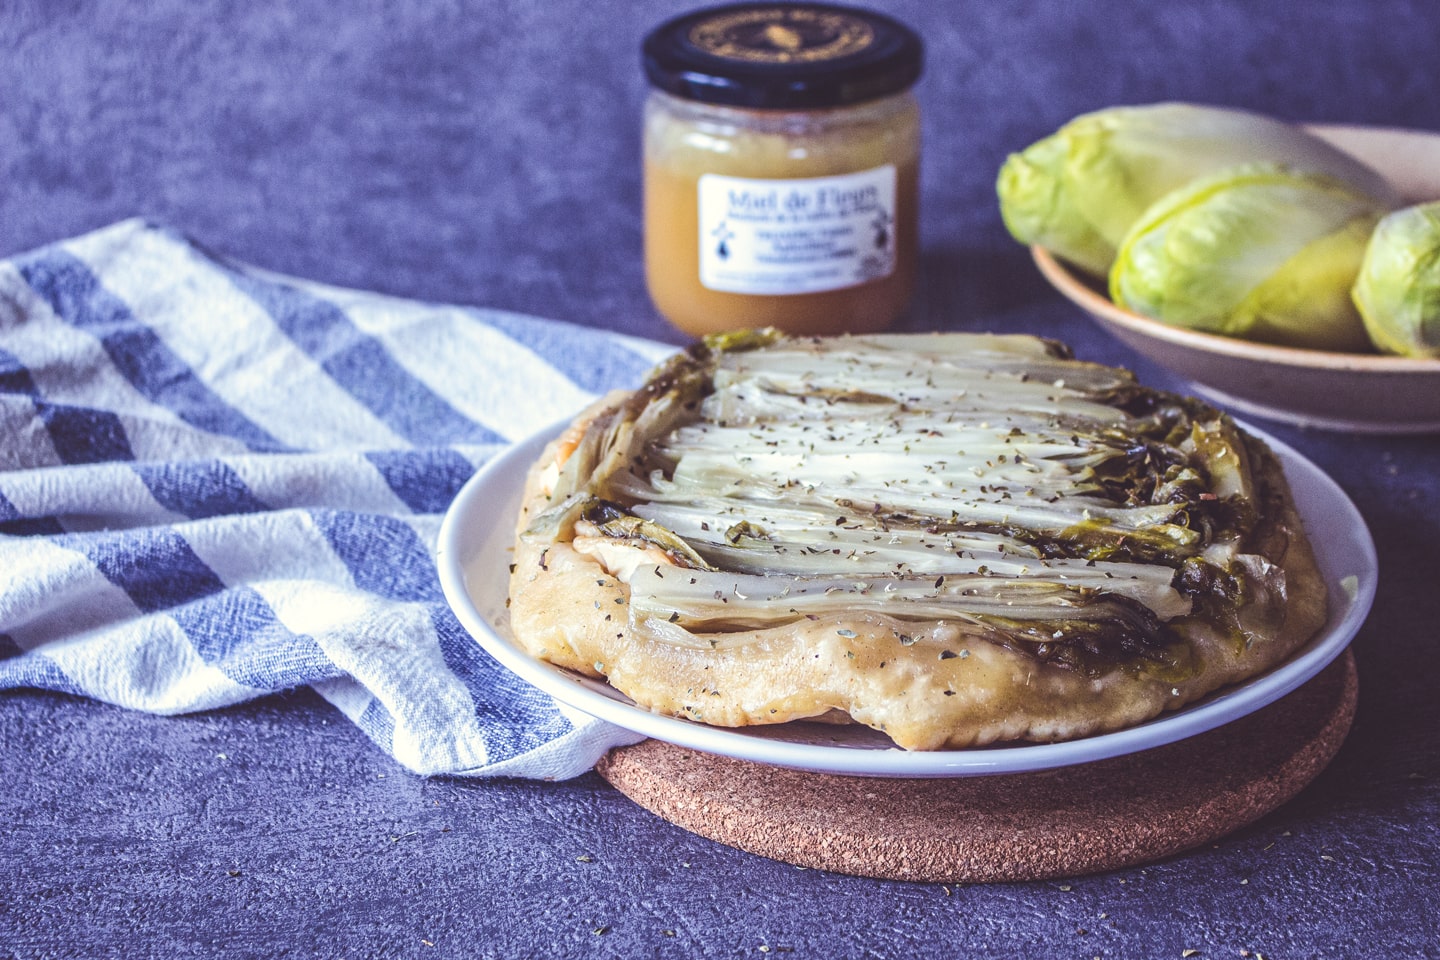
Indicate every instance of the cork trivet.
{"type": "Point", "coordinates": [1075, 820]}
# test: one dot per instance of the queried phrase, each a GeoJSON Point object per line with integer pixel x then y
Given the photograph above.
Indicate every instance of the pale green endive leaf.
{"type": "Point", "coordinates": [1256, 251]}
{"type": "Point", "coordinates": [1079, 191]}
{"type": "Point", "coordinates": [1398, 290]}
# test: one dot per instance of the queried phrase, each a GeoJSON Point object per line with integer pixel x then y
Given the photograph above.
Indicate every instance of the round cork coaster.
{"type": "Point", "coordinates": [1066, 822]}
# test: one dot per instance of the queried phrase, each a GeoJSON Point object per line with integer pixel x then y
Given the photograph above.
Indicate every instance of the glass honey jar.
{"type": "Point", "coordinates": [782, 153]}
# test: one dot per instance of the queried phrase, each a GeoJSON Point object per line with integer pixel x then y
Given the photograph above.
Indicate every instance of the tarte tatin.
{"type": "Point", "coordinates": [956, 539]}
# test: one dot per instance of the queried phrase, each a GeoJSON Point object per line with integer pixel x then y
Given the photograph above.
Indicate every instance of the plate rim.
{"type": "Point", "coordinates": [582, 694]}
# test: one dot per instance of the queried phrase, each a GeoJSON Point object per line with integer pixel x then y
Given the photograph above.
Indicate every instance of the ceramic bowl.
{"type": "Point", "coordinates": [1367, 393]}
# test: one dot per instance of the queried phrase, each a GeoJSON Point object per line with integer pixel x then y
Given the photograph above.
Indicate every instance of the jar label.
{"type": "Point", "coordinates": [807, 235]}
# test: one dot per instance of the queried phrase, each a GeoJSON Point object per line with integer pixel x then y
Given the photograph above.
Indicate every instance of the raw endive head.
{"type": "Point", "coordinates": [1257, 251]}
{"type": "Point", "coordinates": [1398, 290]}
{"type": "Point", "coordinates": [1078, 191]}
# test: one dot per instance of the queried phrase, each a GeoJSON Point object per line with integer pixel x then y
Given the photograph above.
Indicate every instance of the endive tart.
{"type": "Point", "coordinates": [956, 539]}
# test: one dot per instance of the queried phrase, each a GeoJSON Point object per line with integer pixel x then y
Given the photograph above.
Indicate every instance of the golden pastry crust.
{"type": "Point", "coordinates": [928, 681]}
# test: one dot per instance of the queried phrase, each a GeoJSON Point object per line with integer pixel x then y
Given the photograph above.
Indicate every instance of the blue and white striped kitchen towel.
{"type": "Point", "coordinates": [217, 483]}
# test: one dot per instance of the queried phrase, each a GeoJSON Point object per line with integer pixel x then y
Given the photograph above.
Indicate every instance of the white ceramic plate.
{"type": "Point", "coordinates": [1361, 393]}
{"type": "Point", "coordinates": [474, 558]}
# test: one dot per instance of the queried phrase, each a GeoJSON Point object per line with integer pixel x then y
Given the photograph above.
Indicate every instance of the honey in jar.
{"type": "Point", "coordinates": [782, 147]}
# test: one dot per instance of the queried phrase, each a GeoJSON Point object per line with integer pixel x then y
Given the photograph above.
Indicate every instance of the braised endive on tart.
{"type": "Point", "coordinates": [954, 538]}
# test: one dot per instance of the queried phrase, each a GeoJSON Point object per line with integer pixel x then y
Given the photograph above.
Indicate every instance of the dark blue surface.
{"type": "Point", "coordinates": [488, 154]}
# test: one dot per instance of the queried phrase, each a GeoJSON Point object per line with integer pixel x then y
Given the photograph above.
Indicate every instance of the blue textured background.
{"type": "Point", "coordinates": [488, 154]}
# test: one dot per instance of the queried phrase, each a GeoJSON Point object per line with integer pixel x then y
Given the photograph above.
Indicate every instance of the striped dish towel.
{"type": "Point", "coordinates": [216, 483]}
